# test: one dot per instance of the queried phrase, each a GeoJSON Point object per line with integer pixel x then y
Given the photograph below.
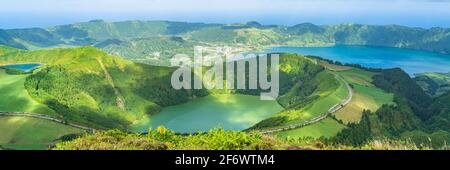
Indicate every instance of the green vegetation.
{"type": "Point", "coordinates": [312, 94]}
{"type": "Point", "coordinates": [398, 82]}
{"type": "Point", "coordinates": [87, 86]}
{"type": "Point", "coordinates": [415, 116]}
{"type": "Point", "coordinates": [218, 139]}
{"type": "Point", "coordinates": [31, 133]}
{"type": "Point", "coordinates": [90, 87]}
{"type": "Point", "coordinates": [15, 98]}
{"type": "Point", "coordinates": [364, 98]}
{"type": "Point", "coordinates": [365, 95]}
{"type": "Point", "coordinates": [434, 84]}
{"type": "Point", "coordinates": [326, 128]}
{"type": "Point", "coordinates": [328, 93]}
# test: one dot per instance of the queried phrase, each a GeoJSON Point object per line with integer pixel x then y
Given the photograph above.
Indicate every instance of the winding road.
{"type": "Point", "coordinates": [330, 111]}
{"type": "Point", "coordinates": [46, 117]}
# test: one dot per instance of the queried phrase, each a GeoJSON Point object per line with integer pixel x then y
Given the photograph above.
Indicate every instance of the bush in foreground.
{"type": "Point", "coordinates": [217, 139]}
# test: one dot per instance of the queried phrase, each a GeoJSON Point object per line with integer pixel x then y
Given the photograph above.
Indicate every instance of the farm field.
{"type": "Point", "coordinates": [366, 95]}
{"type": "Point", "coordinates": [327, 98]}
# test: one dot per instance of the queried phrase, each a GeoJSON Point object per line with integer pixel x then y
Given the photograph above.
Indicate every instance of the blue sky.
{"type": "Point", "coordinates": [42, 13]}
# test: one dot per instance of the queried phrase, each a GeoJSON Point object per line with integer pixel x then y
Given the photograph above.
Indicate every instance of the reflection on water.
{"type": "Point", "coordinates": [412, 61]}
{"type": "Point", "coordinates": [229, 111]}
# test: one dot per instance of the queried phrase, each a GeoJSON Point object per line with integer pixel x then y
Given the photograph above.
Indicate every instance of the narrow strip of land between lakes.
{"type": "Point", "coordinates": [330, 111]}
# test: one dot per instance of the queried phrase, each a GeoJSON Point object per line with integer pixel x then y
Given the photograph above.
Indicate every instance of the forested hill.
{"type": "Point", "coordinates": [415, 116]}
{"type": "Point", "coordinates": [136, 39]}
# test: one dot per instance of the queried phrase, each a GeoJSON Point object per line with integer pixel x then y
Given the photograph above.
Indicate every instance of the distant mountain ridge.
{"type": "Point", "coordinates": [116, 37]}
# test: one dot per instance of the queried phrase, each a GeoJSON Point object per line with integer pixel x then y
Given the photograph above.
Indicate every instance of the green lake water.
{"type": "Point", "coordinates": [229, 111]}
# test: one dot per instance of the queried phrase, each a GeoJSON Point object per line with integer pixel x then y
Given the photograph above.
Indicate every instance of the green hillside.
{"type": "Point", "coordinates": [87, 86]}
{"type": "Point", "coordinates": [434, 84]}
{"type": "Point", "coordinates": [415, 115]}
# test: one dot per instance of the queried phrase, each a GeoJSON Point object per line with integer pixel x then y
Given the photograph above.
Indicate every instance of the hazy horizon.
{"type": "Point", "coordinates": [45, 13]}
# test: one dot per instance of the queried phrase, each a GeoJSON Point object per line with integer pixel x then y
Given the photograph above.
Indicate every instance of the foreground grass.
{"type": "Point", "coordinates": [218, 139]}
{"type": "Point", "coordinates": [18, 132]}
{"type": "Point", "coordinates": [15, 98]}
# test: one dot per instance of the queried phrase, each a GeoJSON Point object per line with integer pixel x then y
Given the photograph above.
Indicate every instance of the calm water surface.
{"type": "Point", "coordinates": [412, 61]}
{"type": "Point", "coordinates": [23, 67]}
{"type": "Point", "coordinates": [229, 111]}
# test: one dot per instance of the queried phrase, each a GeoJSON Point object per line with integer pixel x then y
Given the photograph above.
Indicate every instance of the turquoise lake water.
{"type": "Point", "coordinates": [412, 61]}
{"type": "Point", "coordinates": [228, 111]}
{"type": "Point", "coordinates": [23, 67]}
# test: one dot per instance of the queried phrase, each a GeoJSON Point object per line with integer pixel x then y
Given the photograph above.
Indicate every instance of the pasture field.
{"type": "Point", "coordinates": [19, 132]}
{"type": "Point", "coordinates": [15, 98]}
{"type": "Point", "coordinates": [325, 128]}
{"type": "Point", "coordinates": [358, 76]}
{"type": "Point", "coordinates": [328, 98]}
{"type": "Point", "coordinates": [366, 95]}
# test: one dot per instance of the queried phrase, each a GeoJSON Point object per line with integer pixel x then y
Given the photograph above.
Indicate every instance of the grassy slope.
{"type": "Point", "coordinates": [15, 97]}
{"type": "Point", "coordinates": [81, 61]}
{"type": "Point", "coordinates": [31, 133]}
{"type": "Point", "coordinates": [325, 128]}
{"type": "Point", "coordinates": [330, 91]}
{"type": "Point", "coordinates": [74, 83]}
{"type": "Point", "coordinates": [325, 91]}
{"type": "Point", "coordinates": [366, 96]}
